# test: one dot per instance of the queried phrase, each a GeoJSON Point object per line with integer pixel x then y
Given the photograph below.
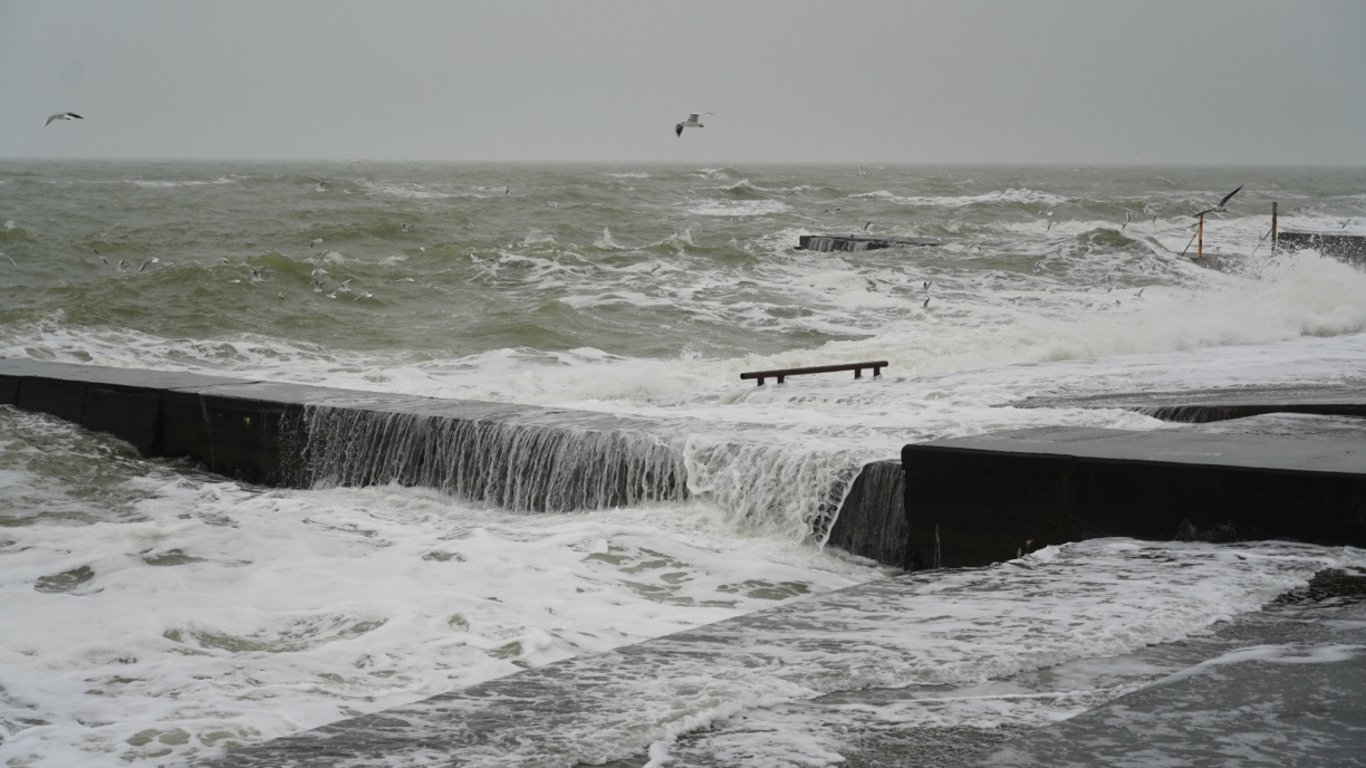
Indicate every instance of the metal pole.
{"type": "Point", "coordinates": [1200, 234]}
{"type": "Point", "coordinates": [1273, 226]}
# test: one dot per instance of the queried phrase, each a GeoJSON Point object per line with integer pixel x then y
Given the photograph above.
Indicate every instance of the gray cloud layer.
{"type": "Point", "coordinates": [1033, 81]}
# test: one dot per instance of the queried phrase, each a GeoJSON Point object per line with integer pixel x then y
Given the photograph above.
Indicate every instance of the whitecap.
{"type": "Point", "coordinates": [738, 208]}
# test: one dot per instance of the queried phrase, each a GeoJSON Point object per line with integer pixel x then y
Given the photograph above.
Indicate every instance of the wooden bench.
{"type": "Point", "coordinates": [783, 373]}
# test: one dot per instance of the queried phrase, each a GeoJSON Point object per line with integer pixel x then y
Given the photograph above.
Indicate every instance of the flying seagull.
{"type": "Point", "coordinates": [691, 122]}
{"type": "Point", "coordinates": [62, 116]}
{"type": "Point", "coordinates": [1220, 207]}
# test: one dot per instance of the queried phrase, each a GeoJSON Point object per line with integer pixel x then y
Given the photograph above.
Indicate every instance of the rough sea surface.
{"type": "Point", "coordinates": [153, 614]}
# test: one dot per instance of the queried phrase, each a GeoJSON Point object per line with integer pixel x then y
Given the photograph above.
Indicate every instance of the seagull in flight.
{"type": "Point", "coordinates": [62, 116]}
{"type": "Point", "coordinates": [693, 121]}
{"type": "Point", "coordinates": [1220, 207]}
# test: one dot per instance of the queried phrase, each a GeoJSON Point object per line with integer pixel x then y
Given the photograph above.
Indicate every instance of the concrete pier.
{"type": "Point", "coordinates": [1222, 404]}
{"type": "Point", "coordinates": [962, 502]}
{"type": "Point", "coordinates": [978, 500]}
{"type": "Point", "coordinates": [520, 457]}
{"type": "Point", "coordinates": [1348, 248]}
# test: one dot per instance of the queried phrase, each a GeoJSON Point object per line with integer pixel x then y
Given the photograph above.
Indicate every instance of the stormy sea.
{"type": "Point", "coordinates": [156, 614]}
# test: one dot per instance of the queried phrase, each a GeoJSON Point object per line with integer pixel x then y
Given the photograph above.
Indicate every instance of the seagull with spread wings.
{"type": "Point", "coordinates": [1220, 207]}
{"type": "Point", "coordinates": [693, 121]}
{"type": "Point", "coordinates": [62, 116]}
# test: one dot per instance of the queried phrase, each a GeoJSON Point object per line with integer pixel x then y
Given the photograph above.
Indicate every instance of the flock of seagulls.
{"type": "Point", "coordinates": [319, 274]}
{"type": "Point", "coordinates": [123, 263]}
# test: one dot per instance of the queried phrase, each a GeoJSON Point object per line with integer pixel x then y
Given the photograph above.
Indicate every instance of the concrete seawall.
{"type": "Point", "coordinates": [964, 502]}
{"type": "Point", "coordinates": [1348, 248]}
{"type": "Point", "coordinates": [976, 501]}
{"type": "Point", "coordinates": [519, 457]}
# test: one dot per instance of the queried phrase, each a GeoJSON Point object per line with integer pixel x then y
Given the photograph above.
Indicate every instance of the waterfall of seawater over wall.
{"type": "Point", "coordinates": [872, 521]}
{"type": "Point", "coordinates": [515, 463]}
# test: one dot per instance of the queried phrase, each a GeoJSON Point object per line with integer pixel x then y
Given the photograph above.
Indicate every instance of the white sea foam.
{"type": "Point", "coordinates": [177, 183]}
{"type": "Point", "coordinates": [371, 616]}
{"type": "Point", "coordinates": [1030, 196]}
{"type": "Point", "coordinates": [606, 241]}
{"type": "Point", "coordinates": [405, 190]}
{"type": "Point", "coordinates": [737, 207]}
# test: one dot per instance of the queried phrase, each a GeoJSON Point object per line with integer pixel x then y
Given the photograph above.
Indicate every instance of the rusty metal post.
{"type": "Point", "coordinates": [1200, 239]}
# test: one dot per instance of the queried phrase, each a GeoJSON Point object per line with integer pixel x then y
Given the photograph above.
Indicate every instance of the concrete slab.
{"type": "Point", "coordinates": [16, 368]}
{"type": "Point", "coordinates": [1348, 248]}
{"type": "Point", "coordinates": [1311, 455]}
{"type": "Point", "coordinates": [1299, 700]}
{"type": "Point", "coordinates": [978, 500]}
{"type": "Point", "coordinates": [1217, 405]}
{"type": "Point", "coordinates": [523, 457]}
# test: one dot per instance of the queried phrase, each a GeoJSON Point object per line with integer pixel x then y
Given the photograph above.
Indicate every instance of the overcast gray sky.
{"type": "Point", "coordinates": [1243, 82]}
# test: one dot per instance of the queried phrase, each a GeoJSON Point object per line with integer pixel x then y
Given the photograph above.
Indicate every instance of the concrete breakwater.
{"type": "Point", "coordinates": [521, 458]}
{"type": "Point", "coordinates": [987, 499]}
{"type": "Point", "coordinates": [967, 501]}
{"type": "Point", "coordinates": [1344, 247]}
{"type": "Point", "coordinates": [517, 457]}
{"type": "Point", "coordinates": [963, 502]}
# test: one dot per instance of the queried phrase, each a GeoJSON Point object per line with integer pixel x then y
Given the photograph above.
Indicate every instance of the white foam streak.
{"type": "Point", "coordinates": [737, 208]}
{"type": "Point", "coordinates": [404, 190]}
{"type": "Point", "coordinates": [1029, 196]}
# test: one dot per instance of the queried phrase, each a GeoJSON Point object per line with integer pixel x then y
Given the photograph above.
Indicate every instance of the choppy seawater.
{"type": "Point", "coordinates": [155, 614]}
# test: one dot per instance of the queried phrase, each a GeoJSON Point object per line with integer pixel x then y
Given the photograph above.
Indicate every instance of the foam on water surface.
{"type": "Point", "coordinates": [184, 603]}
